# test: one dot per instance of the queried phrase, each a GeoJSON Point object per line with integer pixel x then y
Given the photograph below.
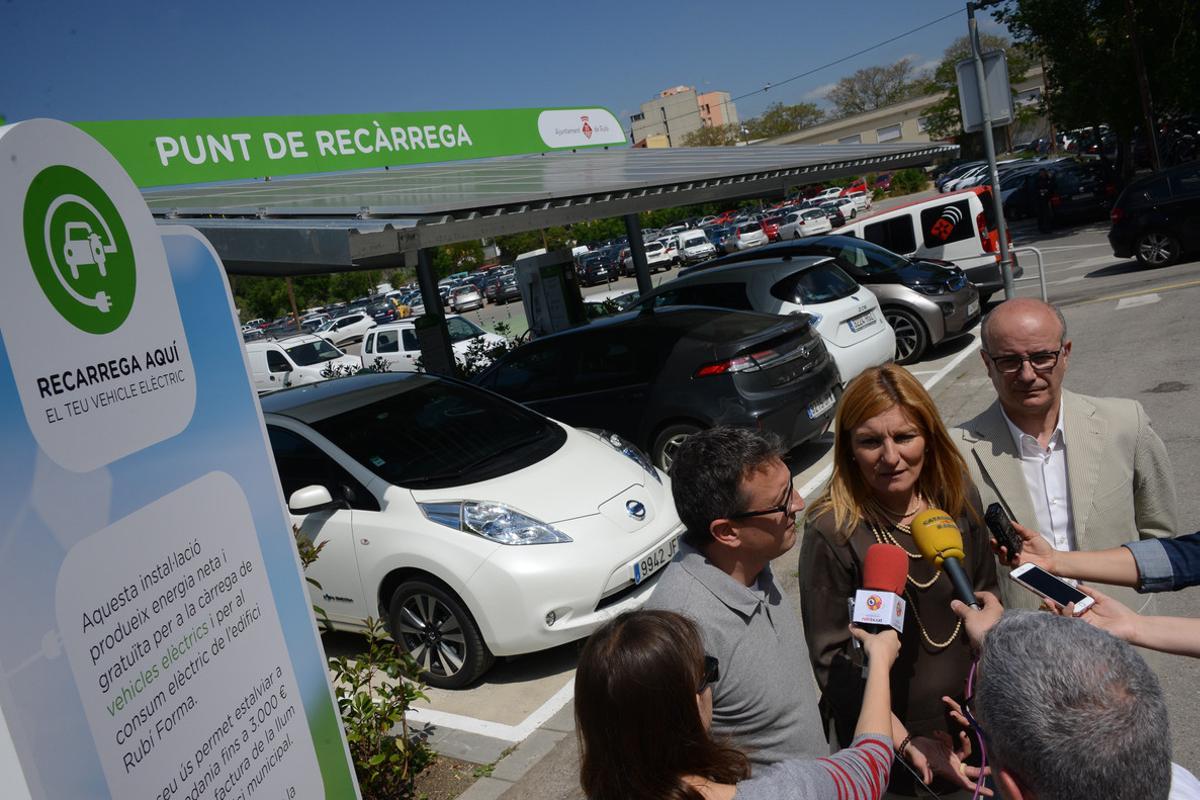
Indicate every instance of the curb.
{"type": "Point", "coordinates": [510, 769]}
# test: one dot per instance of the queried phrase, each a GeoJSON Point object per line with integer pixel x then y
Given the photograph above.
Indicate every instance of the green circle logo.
{"type": "Point", "coordinates": [79, 249]}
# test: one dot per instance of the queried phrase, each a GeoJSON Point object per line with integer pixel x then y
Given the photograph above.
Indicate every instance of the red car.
{"type": "Point", "coordinates": [859, 185]}
{"type": "Point", "coordinates": [770, 226]}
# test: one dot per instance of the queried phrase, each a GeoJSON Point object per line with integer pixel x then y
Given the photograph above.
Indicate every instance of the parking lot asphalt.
{"type": "Point", "coordinates": [1134, 338]}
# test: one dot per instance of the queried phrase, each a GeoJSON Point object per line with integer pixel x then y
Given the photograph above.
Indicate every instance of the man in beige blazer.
{"type": "Point", "coordinates": [1088, 473]}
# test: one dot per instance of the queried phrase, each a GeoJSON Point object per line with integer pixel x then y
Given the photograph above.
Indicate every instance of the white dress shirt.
{"type": "Point", "coordinates": [1045, 471]}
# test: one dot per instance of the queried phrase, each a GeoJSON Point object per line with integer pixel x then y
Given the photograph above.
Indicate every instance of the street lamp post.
{"type": "Point", "coordinates": [989, 147]}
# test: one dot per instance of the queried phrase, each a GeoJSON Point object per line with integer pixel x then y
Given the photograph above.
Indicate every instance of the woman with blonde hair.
{"type": "Point", "coordinates": [643, 713]}
{"type": "Point", "coordinates": [892, 460]}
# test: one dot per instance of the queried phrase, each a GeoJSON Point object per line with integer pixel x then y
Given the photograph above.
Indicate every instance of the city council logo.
{"type": "Point", "coordinates": [79, 249]}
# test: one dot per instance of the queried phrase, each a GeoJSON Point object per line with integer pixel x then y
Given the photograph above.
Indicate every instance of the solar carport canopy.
{"type": "Point", "coordinates": [375, 219]}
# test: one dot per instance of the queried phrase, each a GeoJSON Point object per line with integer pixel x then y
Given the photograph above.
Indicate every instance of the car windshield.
{"type": "Point", "coordinates": [870, 258]}
{"type": "Point", "coordinates": [430, 434]}
{"type": "Point", "coordinates": [310, 353]}
{"type": "Point", "coordinates": [750, 227]}
{"type": "Point", "coordinates": [814, 213]}
{"type": "Point", "coordinates": [820, 283]}
{"type": "Point", "coordinates": [654, 248]}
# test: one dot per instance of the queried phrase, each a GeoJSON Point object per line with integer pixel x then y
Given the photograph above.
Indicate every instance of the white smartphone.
{"type": "Point", "coordinates": [1038, 581]}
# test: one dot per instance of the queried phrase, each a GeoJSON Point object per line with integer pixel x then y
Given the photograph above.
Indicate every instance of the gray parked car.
{"type": "Point", "coordinates": [926, 301]}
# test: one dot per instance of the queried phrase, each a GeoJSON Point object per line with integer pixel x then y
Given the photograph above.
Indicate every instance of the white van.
{"type": "Point", "coordinates": [959, 227]}
{"type": "Point", "coordinates": [396, 344]}
{"type": "Point", "coordinates": [294, 361]}
{"type": "Point", "coordinates": [695, 247]}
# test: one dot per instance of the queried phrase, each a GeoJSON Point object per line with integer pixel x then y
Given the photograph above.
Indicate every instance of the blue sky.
{"type": "Point", "coordinates": [137, 60]}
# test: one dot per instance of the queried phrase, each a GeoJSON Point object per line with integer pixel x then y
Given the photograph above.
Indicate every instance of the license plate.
{"type": "Point", "coordinates": [821, 406]}
{"type": "Point", "coordinates": [862, 321]}
{"type": "Point", "coordinates": [653, 561]}
{"type": "Point", "coordinates": [972, 308]}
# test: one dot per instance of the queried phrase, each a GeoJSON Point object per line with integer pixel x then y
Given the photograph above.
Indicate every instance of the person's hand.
{"type": "Point", "coordinates": [1035, 549]}
{"type": "Point", "coordinates": [881, 648]}
{"type": "Point", "coordinates": [1106, 614]}
{"type": "Point", "coordinates": [949, 763]}
{"type": "Point", "coordinates": [917, 760]}
{"type": "Point", "coordinates": [979, 621]}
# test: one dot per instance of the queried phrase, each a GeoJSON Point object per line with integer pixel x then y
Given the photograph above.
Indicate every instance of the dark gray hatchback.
{"type": "Point", "coordinates": [656, 377]}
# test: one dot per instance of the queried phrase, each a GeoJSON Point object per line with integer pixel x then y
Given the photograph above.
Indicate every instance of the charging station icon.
{"type": "Point", "coordinates": [83, 247]}
{"type": "Point", "coordinates": [79, 249]}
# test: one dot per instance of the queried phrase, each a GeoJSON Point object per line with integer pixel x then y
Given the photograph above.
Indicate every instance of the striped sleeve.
{"type": "Point", "coordinates": [860, 772]}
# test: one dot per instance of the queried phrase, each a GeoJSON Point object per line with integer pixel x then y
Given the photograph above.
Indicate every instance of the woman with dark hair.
{"type": "Point", "coordinates": [893, 459]}
{"type": "Point", "coordinates": [643, 706]}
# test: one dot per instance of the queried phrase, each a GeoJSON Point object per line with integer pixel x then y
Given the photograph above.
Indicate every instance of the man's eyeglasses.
{"type": "Point", "coordinates": [712, 672]}
{"type": "Point", "coordinates": [1041, 362]}
{"type": "Point", "coordinates": [785, 507]}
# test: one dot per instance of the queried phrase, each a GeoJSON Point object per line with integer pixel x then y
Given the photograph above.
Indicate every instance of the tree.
{"type": "Point", "coordinates": [712, 136]}
{"type": "Point", "coordinates": [1091, 68]}
{"type": "Point", "coordinates": [874, 87]}
{"type": "Point", "coordinates": [779, 119]}
{"type": "Point", "coordinates": [457, 257]}
{"type": "Point", "coordinates": [942, 119]}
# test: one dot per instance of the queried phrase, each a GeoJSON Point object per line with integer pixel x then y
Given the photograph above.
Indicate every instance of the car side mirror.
{"type": "Point", "coordinates": [310, 499]}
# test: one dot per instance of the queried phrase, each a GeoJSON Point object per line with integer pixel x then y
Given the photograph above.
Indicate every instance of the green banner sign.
{"type": "Point", "coordinates": [168, 152]}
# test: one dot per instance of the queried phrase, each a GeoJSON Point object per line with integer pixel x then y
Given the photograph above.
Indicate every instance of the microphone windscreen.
{"type": "Point", "coordinates": [937, 536]}
{"type": "Point", "coordinates": [885, 568]}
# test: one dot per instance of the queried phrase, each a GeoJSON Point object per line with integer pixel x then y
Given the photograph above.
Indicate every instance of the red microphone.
{"type": "Point", "coordinates": [880, 603]}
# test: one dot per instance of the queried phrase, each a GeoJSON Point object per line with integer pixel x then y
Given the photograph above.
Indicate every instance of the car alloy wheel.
{"type": "Point", "coordinates": [437, 631]}
{"type": "Point", "coordinates": [911, 338]}
{"type": "Point", "coordinates": [1157, 249]}
{"type": "Point", "coordinates": [666, 444]}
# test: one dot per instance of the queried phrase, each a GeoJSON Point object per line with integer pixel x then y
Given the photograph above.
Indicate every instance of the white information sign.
{"type": "Point", "coordinates": [159, 642]}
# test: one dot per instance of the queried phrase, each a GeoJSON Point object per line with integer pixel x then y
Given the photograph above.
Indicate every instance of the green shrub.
{"type": "Point", "coordinates": [386, 766]}
{"type": "Point", "coordinates": [907, 181]}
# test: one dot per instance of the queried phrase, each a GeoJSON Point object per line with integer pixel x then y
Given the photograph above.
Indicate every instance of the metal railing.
{"type": "Point", "coordinates": [1041, 271]}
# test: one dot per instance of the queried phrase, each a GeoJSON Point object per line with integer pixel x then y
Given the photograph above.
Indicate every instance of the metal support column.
{"type": "Point", "coordinates": [989, 147]}
{"type": "Point", "coordinates": [436, 355]}
{"type": "Point", "coordinates": [637, 251]}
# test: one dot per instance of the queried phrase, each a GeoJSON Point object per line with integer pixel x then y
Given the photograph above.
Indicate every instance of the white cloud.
{"type": "Point", "coordinates": [820, 92]}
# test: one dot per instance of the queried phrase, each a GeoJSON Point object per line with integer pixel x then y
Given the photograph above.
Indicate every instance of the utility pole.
{"type": "Point", "coordinates": [989, 146]}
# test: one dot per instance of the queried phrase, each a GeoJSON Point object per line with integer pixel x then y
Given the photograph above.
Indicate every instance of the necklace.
{"type": "Point", "coordinates": [918, 500]}
{"type": "Point", "coordinates": [925, 633]}
{"type": "Point", "coordinates": [884, 536]}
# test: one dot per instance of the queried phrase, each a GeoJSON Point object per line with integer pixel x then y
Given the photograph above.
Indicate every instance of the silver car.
{"type": "Point", "coordinates": [465, 298]}
{"type": "Point", "coordinates": [924, 300]}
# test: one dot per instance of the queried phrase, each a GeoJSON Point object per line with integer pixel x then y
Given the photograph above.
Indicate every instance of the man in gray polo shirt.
{"type": "Point", "coordinates": [735, 496]}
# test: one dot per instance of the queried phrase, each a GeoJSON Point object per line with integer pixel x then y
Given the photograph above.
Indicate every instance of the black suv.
{"type": "Point", "coordinates": [656, 377]}
{"type": "Point", "coordinates": [1157, 218]}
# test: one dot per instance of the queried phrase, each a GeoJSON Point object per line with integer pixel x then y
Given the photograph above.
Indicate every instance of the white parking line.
{"type": "Point", "coordinates": [1137, 300]}
{"type": "Point", "coordinates": [497, 730]}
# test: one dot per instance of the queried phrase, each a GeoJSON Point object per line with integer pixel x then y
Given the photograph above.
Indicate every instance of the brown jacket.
{"type": "Point", "coordinates": [830, 573]}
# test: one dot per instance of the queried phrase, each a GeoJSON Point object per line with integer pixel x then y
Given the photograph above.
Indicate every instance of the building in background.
{"type": "Point", "coordinates": [905, 121]}
{"type": "Point", "coordinates": [666, 120]}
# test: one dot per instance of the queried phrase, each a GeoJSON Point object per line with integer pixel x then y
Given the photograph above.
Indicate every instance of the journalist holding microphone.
{"type": "Point", "coordinates": [644, 711]}
{"type": "Point", "coordinates": [894, 462]}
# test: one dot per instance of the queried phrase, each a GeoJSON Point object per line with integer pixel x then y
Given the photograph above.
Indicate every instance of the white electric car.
{"type": "Point", "coordinates": [475, 527]}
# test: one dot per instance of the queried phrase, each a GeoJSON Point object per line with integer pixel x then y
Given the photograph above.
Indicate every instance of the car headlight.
{"type": "Point", "coordinates": [630, 451]}
{"type": "Point", "coordinates": [930, 288]}
{"type": "Point", "coordinates": [493, 521]}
